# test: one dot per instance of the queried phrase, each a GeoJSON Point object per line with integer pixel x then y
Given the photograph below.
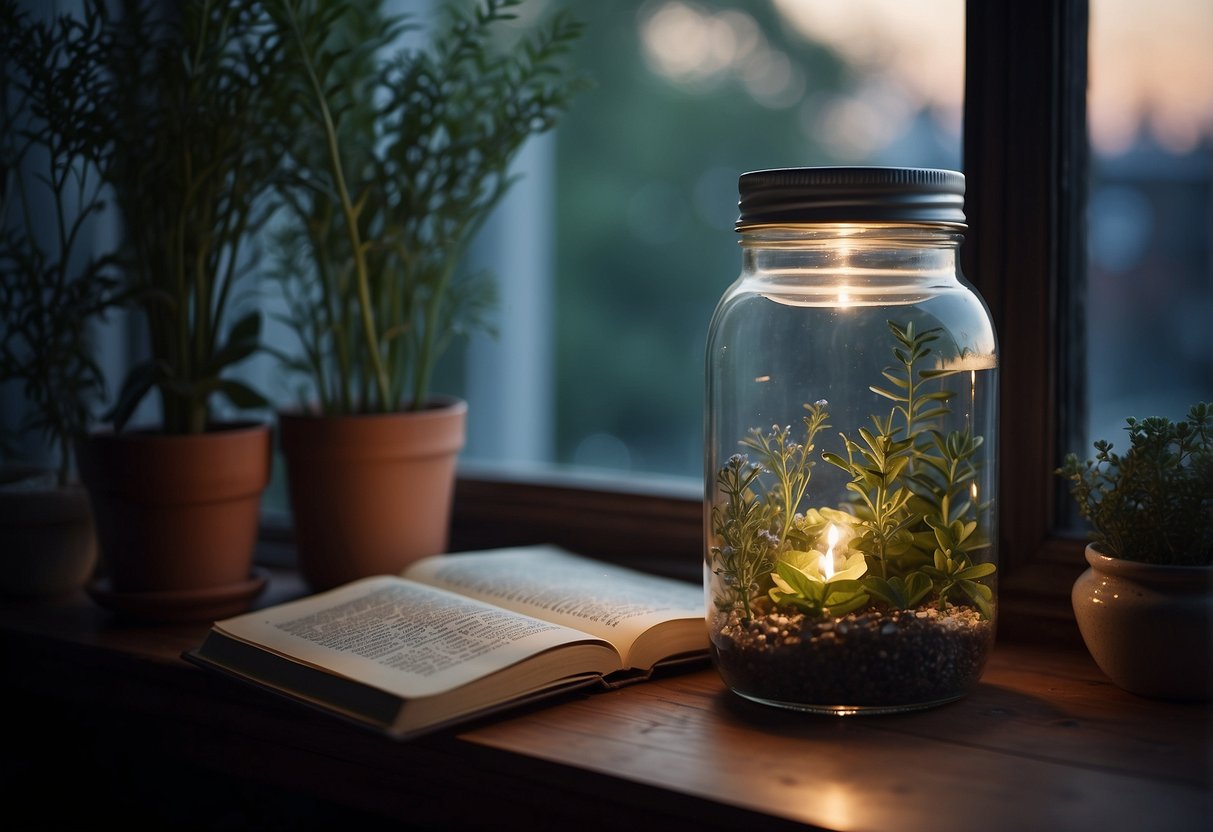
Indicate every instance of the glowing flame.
{"type": "Point", "coordinates": [827, 560]}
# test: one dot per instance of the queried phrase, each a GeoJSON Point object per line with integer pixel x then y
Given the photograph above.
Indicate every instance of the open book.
{"type": "Point", "coordinates": [462, 635]}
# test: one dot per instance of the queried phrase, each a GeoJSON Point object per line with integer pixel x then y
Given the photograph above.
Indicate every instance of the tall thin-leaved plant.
{"type": "Point", "coordinates": [394, 157]}
{"type": "Point", "coordinates": [184, 123]}
{"type": "Point", "coordinates": [53, 285]}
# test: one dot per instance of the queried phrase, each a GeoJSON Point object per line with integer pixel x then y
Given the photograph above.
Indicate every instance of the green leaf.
{"type": "Point", "coordinates": [933, 414]}
{"type": "Point", "coordinates": [241, 395]}
{"type": "Point", "coordinates": [871, 442]}
{"type": "Point", "coordinates": [979, 570]}
{"type": "Point", "coordinates": [800, 560]}
{"type": "Point", "coordinates": [840, 589]}
{"type": "Point", "coordinates": [806, 606]}
{"type": "Point", "coordinates": [897, 380]}
{"type": "Point", "coordinates": [936, 464]}
{"type": "Point", "coordinates": [980, 590]}
{"type": "Point", "coordinates": [961, 508]}
{"type": "Point", "coordinates": [243, 340]}
{"type": "Point", "coordinates": [844, 606]}
{"type": "Point", "coordinates": [898, 499]}
{"type": "Point", "coordinates": [917, 585]}
{"type": "Point", "coordinates": [900, 445]}
{"type": "Point", "coordinates": [938, 396]}
{"type": "Point", "coordinates": [884, 590]}
{"type": "Point", "coordinates": [943, 538]}
{"type": "Point", "coordinates": [956, 530]}
{"type": "Point", "coordinates": [966, 529]}
{"type": "Point", "coordinates": [900, 542]}
{"type": "Point", "coordinates": [856, 488]}
{"type": "Point", "coordinates": [798, 581]}
{"type": "Point", "coordinates": [896, 466]}
{"type": "Point", "coordinates": [981, 599]}
{"type": "Point", "coordinates": [139, 382]}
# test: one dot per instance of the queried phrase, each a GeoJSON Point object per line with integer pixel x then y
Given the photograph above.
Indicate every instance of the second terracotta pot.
{"type": "Point", "coordinates": [370, 494]}
{"type": "Point", "coordinates": [177, 514]}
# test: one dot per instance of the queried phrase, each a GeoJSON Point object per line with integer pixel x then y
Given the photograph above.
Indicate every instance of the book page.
{"type": "Point", "coordinates": [611, 602]}
{"type": "Point", "coordinates": [403, 637]}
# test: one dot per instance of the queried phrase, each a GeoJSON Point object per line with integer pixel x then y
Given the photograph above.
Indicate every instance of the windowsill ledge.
{"type": "Point", "coordinates": [1044, 741]}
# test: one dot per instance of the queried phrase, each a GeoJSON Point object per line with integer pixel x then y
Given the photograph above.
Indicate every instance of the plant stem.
{"type": "Point", "coordinates": [351, 224]}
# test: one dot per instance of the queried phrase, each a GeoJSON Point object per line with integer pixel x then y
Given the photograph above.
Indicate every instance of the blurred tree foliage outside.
{"type": "Point", "coordinates": [646, 200]}
{"type": "Point", "coordinates": [686, 95]}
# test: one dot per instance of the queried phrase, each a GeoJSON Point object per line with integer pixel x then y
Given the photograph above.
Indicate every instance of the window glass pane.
{"type": "Point", "coordinates": [1149, 304]}
{"type": "Point", "coordinates": [688, 95]}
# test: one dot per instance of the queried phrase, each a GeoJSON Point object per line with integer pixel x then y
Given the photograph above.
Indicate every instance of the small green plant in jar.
{"type": "Point", "coordinates": [825, 602]}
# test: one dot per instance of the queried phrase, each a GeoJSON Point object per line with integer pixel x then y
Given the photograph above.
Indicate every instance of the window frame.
{"type": "Point", "coordinates": [1026, 78]}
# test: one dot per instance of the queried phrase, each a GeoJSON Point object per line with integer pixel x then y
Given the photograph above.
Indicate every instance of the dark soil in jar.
{"type": "Point", "coordinates": [867, 659]}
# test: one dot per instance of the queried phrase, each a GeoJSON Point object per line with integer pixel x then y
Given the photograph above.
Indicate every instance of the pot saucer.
{"type": "Point", "coordinates": [193, 606]}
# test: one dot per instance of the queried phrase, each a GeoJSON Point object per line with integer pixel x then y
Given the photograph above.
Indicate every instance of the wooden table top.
{"type": "Point", "coordinates": [1044, 742]}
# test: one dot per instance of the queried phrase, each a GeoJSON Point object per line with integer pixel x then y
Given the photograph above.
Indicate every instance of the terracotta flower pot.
{"type": "Point", "coordinates": [1148, 627]}
{"type": "Point", "coordinates": [47, 544]}
{"type": "Point", "coordinates": [370, 494]}
{"type": "Point", "coordinates": [177, 514]}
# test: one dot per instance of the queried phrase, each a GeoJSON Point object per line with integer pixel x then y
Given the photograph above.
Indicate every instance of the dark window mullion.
{"type": "Point", "coordinates": [1025, 163]}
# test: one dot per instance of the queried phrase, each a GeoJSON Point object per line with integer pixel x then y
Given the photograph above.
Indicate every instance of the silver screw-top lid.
{"type": "Point", "coordinates": [850, 194]}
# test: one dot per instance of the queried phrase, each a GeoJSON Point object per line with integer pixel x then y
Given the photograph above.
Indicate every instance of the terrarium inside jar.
{"type": "Point", "coordinates": [850, 517]}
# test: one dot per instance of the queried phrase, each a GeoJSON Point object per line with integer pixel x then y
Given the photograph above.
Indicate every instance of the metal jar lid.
{"type": "Point", "coordinates": [779, 196]}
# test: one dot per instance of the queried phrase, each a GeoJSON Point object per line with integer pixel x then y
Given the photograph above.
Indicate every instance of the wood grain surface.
{"type": "Point", "coordinates": [1044, 742]}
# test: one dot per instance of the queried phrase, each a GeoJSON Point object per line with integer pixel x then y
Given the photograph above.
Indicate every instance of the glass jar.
{"type": "Point", "coordinates": [851, 445]}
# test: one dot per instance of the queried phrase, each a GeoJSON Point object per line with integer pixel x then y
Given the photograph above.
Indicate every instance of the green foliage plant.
{"type": "Point", "coordinates": [746, 549]}
{"type": "Point", "coordinates": [394, 159]}
{"type": "Point", "coordinates": [912, 483]}
{"type": "Point", "coordinates": [753, 528]}
{"type": "Point", "coordinates": [51, 286]}
{"type": "Point", "coordinates": [913, 512]}
{"type": "Point", "coordinates": [952, 571]}
{"type": "Point", "coordinates": [1154, 502]}
{"type": "Point", "coordinates": [876, 467]}
{"type": "Point", "coordinates": [184, 129]}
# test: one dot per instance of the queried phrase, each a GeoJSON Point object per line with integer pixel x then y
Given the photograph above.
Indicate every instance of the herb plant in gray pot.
{"type": "Point", "coordinates": [51, 288]}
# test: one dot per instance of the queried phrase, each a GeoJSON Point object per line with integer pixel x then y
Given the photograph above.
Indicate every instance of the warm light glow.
{"type": "Point", "coordinates": [971, 362]}
{"type": "Point", "coordinates": [972, 405]}
{"type": "Point", "coordinates": [844, 265]}
{"type": "Point", "coordinates": [835, 806]}
{"type": "Point", "coordinates": [906, 60]}
{"type": "Point", "coordinates": [827, 560]}
{"type": "Point", "coordinates": [1150, 69]}
{"type": "Point", "coordinates": [1150, 66]}
{"type": "Point", "coordinates": [697, 47]}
